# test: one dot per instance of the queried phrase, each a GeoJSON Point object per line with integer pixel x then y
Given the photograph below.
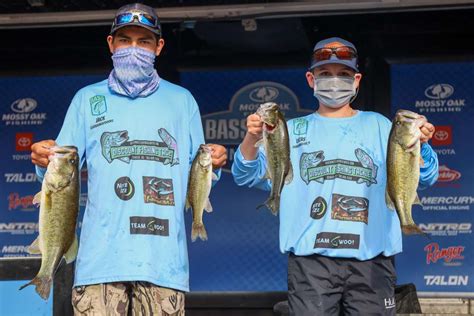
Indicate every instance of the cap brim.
{"type": "Point", "coordinates": [154, 31]}
{"type": "Point", "coordinates": [349, 63]}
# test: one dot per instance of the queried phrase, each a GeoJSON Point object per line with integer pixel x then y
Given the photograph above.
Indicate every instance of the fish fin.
{"type": "Point", "coordinates": [198, 230]}
{"type": "Point", "coordinates": [417, 200]}
{"type": "Point", "coordinates": [33, 249]}
{"type": "Point", "coordinates": [43, 286]}
{"type": "Point", "coordinates": [389, 202]}
{"type": "Point", "coordinates": [289, 176]}
{"type": "Point", "coordinates": [259, 143]}
{"type": "Point", "coordinates": [214, 177]}
{"type": "Point", "coordinates": [273, 204]}
{"type": "Point", "coordinates": [422, 162]}
{"type": "Point", "coordinates": [71, 254]}
{"type": "Point", "coordinates": [188, 205]}
{"type": "Point", "coordinates": [412, 229]}
{"type": "Point", "coordinates": [208, 207]}
{"type": "Point", "coordinates": [37, 199]}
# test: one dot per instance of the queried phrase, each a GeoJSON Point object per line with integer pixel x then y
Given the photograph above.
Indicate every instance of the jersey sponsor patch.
{"type": "Point", "coordinates": [158, 191]}
{"type": "Point", "coordinates": [350, 208]}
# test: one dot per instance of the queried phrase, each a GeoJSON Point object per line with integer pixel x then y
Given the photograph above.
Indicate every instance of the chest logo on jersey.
{"type": "Point", "coordinates": [116, 145]}
{"type": "Point", "coordinates": [350, 208]}
{"type": "Point", "coordinates": [158, 191]}
{"type": "Point", "coordinates": [140, 225]}
{"type": "Point", "coordinates": [336, 240]}
{"type": "Point", "coordinates": [98, 105]}
{"type": "Point", "coordinates": [300, 129]}
{"type": "Point", "coordinates": [313, 167]}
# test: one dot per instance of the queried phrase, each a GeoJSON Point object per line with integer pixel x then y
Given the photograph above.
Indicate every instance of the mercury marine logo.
{"type": "Point", "coordinates": [25, 105]}
{"type": "Point", "coordinates": [448, 175]}
{"type": "Point", "coordinates": [439, 91]}
{"type": "Point", "coordinates": [264, 94]}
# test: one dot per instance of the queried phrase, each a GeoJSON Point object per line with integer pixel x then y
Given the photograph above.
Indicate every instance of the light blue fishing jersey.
{"type": "Point", "coordinates": [138, 154]}
{"type": "Point", "coordinates": [335, 205]}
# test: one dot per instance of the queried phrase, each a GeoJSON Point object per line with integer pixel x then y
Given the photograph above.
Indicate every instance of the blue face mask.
{"type": "Point", "coordinates": [134, 74]}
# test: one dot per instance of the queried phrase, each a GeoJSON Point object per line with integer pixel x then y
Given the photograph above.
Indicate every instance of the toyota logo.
{"type": "Point", "coordinates": [441, 135]}
{"type": "Point", "coordinates": [25, 105]}
{"type": "Point", "coordinates": [24, 142]}
{"type": "Point", "coordinates": [439, 91]}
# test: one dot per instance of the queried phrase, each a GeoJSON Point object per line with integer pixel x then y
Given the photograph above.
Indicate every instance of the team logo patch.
{"type": "Point", "coordinates": [140, 225]}
{"type": "Point", "coordinates": [124, 188]}
{"type": "Point", "coordinates": [318, 208]}
{"type": "Point", "coordinates": [350, 208]}
{"type": "Point", "coordinates": [116, 145]}
{"type": "Point", "coordinates": [336, 240]}
{"type": "Point", "coordinates": [158, 191]}
{"type": "Point", "coordinates": [313, 167]}
{"type": "Point", "coordinates": [98, 105]}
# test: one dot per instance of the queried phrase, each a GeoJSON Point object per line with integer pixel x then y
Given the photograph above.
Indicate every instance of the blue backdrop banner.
{"type": "Point", "coordinates": [443, 93]}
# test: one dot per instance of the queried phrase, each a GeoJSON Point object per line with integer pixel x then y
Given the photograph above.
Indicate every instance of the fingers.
{"type": "Point", "coordinates": [254, 125]}
{"type": "Point", "coordinates": [218, 155]}
{"type": "Point", "coordinates": [427, 131]}
{"type": "Point", "coordinates": [40, 152]}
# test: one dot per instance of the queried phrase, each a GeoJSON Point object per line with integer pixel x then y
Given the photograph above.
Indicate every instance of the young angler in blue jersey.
{"type": "Point", "coordinates": [138, 134]}
{"type": "Point", "coordinates": [334, 223]}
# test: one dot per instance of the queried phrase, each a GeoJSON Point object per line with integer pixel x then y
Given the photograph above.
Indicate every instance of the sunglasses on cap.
{"type": "Point", "coordinates": [142, 18]}
{"type": "Point", "coordinates": [343, 52]}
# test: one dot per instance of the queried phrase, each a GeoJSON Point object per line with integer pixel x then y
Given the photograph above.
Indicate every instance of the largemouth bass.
{"type": "Point", "coordinates": [199, 188]}
{"type": "Point", "coordinates": [403, 167]}
{"type": "Point", "coordinates": [59, 207]}
{"type": "Point", "coordinates": [276, 144]}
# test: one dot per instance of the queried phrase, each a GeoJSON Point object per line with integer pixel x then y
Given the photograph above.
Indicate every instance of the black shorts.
{"type": "Point", "coordinates": [319, 285]}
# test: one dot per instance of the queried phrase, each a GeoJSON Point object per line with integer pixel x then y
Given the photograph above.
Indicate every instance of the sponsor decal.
{"type": "Point", "coordinates": [445, 151]}
{"type": "Point", "coordinates": [20, 177]}
{"type": "Point", "coordinates": [337, 240]}
{"type": "Point", "coordinates": [300, 129]}
{"type": "Point", "coordinates": [83, 200]}
{"type": "Point", "coordinates": [99, 121]}
{"type": "Point", "coordinates": [15, 251]}
{"type": "Point", "coordinates": [116, 145]}
{"type": "Point", "coordinates": [450, 280]}
{"type": "Point", "coordinates": [449, 254]}
{"type": "Point", "coordinates": [447, 203]}
{"type": "Point", "coordinates": [15, 228]}
{"type": "Point", "coordinates": [443, 136]}
{"type": "Point", "coordinates": [158, 191]}
{"type": "Point", "coordinates": [124, 188]}
{"type": "Point", "coordinates": [446, 229]}
{"type": "Point", "coordinates": [22, 203]}
{"type": "Point", "coordinates": [149, 226]}
{"type": "Point", "coordinates": [22, 113]}
{"type": "Point", "coordinates": [98, 105]}
{"type": "Point", "coordinates": [389, 302]}
{"type": "Point", "coordinates": [350, 208]}
{"type": "Point", "coordinates": [228, 128]}
{"type": "Point", "coordinates": [23, 141]}
{"type": "Point", "coordinates": [439, 97]}
{"type": "Point", "coordinates": [318, 208]}
{"type": "Point", "coordinates": [314, 168]}
{"type": "Point", "coordinates": [448, 175]}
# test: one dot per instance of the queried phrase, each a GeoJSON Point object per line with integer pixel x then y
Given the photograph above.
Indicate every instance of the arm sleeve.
{"type": "Point", "coordinates": [72, 132]}
{"type": "Point", "coordinates": [250, 172]}
{"type": "Point", "coordinates": [196, 135]}
{"type": "Point", "coordinates": [429, 170]}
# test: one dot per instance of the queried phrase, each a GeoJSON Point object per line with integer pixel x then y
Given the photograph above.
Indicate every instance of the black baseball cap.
{"type": "Point", "coordinates": [136, 14]}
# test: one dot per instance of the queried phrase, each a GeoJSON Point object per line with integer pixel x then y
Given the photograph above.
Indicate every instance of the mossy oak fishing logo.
{"type": "Point", "coordinates": [98, 105]}
{"type": "Point", "coordinates": [158, 191]}
{"type": "Point", "coordinates": [313, 167]}
{"type": "Point", "coordinates": [116, 145]}
{"type": "Point", "coordinates": [228, 128]}
{"type": "Point", "coordinates": [350, 208]}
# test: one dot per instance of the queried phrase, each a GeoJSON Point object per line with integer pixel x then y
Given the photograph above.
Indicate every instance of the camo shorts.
{"type": "Point", "coordinates": [127, 298]}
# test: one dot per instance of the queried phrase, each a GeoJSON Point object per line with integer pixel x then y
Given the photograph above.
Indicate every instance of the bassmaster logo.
{"type": "Point", "coordinates": [447, 203]}
{"type": "Point", "coordinates": [439, 99]}
{"type": "Point", "coordinates": [446, 229]}
{"type": "Point", "coordinates": [19, 228]}
{"type": "Point", "coordinates": [22, 113]}
{"type": "Point", "coordinates": [448, 255]}
{"type": "Point", "coordinates": [228, 128]}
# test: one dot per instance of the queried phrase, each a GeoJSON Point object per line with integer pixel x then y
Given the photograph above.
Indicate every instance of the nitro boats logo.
{"type": "Point", "coordinates": [20, 177]}
{"type": "Point", "coordinates": [19, 228]}
{"type": "Point", "coordinates": [447, 203]}
{"type": "Point", "coordinates": [448, 280]}
{"type": "Point", "coordinates": [448, 255]}
{"type": "Point", "coordinates": [22, 203]}
{"type": "Point", "coordinates": [439, 98]}
{"type": "Point", "coordinates": [116, 145]}
{"type": "Point", "coordinates": [314, 168]}
{"type": "Point", "coordinates": [446, 229]}
{"type": "Point", "coordinates": [22, 113]}
{"type": "Point", "coordinates": [228, 128]}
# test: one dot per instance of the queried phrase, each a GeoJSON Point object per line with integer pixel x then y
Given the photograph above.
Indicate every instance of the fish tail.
{"type": "Point", "coordinates": [412, 230]}
{"type": "Point", "coordinates": [273, 204]}
{"type": "Point", "coordinates": [198, 230]}
{"type": "Point", "coordinates": [43, 286]}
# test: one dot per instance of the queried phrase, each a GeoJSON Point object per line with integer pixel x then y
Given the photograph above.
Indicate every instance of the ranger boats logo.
{"type": "Point", "coordinates": [228, 128]}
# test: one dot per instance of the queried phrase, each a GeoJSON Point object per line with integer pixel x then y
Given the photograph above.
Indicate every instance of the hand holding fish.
{"type": "Point", "coordinates": [427, 131]}
{"type": "Point", "coordinates": [40, 152]}
{"type": "Point", "coordinates": [255, 126]}
{"type": "Point", "coordinates": [218, 156]}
